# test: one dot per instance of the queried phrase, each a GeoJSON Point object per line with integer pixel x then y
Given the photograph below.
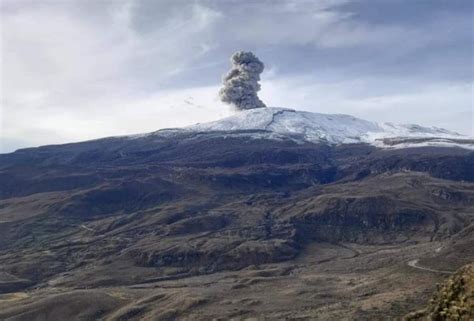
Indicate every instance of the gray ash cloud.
{"type": "Point", "coordinates": [241, 82]}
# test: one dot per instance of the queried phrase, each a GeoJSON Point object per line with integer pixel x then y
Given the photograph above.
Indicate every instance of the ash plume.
{"type": "Point", "coordinates": [241, 82]}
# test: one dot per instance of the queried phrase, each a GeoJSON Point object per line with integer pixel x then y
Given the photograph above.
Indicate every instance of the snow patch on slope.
{"type": "Point", "coordinates": [282, 123]}
{"type": "Point", "coordinates": [314, 127]}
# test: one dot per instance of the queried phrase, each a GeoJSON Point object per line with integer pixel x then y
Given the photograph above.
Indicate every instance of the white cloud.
{"type": "Point", "coordinates": [175, 108]}
{"type": "Point", "coordinates": [68, 78]}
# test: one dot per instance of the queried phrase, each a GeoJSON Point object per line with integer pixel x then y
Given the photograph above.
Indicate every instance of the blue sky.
{"type": "Point", "coordinates": [77, 70]}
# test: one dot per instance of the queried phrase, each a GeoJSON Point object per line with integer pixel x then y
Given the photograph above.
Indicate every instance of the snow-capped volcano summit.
{"type": "Point", "coordinates": [280, 123]}
{"type": "Point", "coordinates": [335, 129]}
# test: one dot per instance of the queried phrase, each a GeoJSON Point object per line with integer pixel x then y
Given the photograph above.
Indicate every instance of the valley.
{"type": "Point", "coordinates": [326, 282]}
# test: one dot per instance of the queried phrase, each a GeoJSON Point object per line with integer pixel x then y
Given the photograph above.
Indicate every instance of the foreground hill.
{"type": "Point", "coordinates": [454, 300]}
{"type": "Point", "coordinates": [204, 222]}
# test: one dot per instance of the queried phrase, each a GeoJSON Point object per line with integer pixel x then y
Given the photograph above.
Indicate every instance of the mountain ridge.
{"type": "Point", "coordinates": [279, 123]}
{"type": "Point", "coordinates": [201, 224]}
{"type": "Point", "coordinates": [330, 128]}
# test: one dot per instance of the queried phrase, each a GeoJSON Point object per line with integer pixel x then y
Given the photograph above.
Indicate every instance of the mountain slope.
{"type": "Point", "coordinates": [203, 222]}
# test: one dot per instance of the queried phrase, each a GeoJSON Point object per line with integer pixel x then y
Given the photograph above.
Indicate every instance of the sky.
{"type": "Point", "coordinates": [78, 70]}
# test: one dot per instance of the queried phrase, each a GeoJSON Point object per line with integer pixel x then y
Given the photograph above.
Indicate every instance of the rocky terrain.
{"type": "Point", "coordinates": [232, 223]}
{"type": "Point", "coordinates": [454, 300]}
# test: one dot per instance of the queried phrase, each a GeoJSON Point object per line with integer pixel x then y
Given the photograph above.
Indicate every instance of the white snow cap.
{"type": "Point", "coordinates": [277, 123]}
